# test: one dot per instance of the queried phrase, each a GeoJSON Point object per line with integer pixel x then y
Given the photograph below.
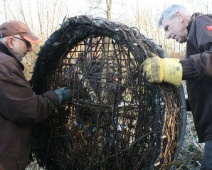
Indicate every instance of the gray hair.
{"type": "Point", "coordinates": [3, 40]}
{"type": "Point", "coordinates": [170, 12]}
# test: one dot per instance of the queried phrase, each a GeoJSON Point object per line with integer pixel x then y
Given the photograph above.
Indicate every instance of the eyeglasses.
{"type": "Point", "coordinates": [28, 44]}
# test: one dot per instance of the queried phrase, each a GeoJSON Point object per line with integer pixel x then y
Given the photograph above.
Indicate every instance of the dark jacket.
{"type": "Point", "coordinates": [197, 70]}
{"type": "Point", "coordinates": [20, 108]}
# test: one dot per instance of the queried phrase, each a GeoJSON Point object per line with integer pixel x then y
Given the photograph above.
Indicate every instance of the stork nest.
{"type": "Point", "coordinates": [115, 120]}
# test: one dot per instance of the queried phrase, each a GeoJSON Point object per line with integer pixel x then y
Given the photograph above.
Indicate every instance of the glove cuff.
{"type": "Point", "coordinates": [59, 94]}
{"type": "Point", "coordinates": [173, 71]}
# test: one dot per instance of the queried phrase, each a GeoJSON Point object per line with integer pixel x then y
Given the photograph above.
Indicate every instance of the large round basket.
{"type": "Point", "coordinates": [116, 120]}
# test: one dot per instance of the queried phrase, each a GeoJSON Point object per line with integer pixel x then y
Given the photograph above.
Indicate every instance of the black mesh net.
{"type": "Point", "coordinates": [115, 120]}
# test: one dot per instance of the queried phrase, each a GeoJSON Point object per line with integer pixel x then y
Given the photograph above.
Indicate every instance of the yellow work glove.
{"type": "Point", "coordinates": [158, 69]}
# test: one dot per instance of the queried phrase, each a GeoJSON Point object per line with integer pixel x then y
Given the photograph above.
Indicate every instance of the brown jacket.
{"type": "Point", "coordinates": [197, 70]}
{"type": "Point", "coordinates": [20, 108]}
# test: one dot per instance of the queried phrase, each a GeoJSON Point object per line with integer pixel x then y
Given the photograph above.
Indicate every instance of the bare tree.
{"type": "Point", "coordinates": [108, 11]}
{"type": "Point", "coordinates": [43, 17]}
{"type": "Point", "coordinates": [101, 8]}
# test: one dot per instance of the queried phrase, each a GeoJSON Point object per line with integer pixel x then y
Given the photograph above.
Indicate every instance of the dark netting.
{"type": "Point", "coordinates": [116, 120]}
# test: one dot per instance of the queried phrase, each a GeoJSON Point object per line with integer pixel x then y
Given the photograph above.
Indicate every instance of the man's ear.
{"type": "Point", "coordinates": [9, 42]}
{"type": "Point", "coordinates": [180, 16]}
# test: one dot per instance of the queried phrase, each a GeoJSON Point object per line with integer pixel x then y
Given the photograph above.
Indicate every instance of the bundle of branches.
{"type": "Point", "coordinates": [116, 120]}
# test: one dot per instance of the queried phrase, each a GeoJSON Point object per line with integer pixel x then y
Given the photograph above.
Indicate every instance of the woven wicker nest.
{"type": "Point", "coordinates": [116, 120]}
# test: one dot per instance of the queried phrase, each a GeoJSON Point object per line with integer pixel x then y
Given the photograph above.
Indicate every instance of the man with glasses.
{"type": "Point", "coordinates": [20, 107]}
{"type": "Point", "coordinates": [28, 44]}
{"type": "Point", "coordinates": [196, 31]}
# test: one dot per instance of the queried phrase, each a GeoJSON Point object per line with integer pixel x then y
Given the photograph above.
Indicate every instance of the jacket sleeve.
{"type": "Point", "coordinates": [19, 103]}
{"type": "Point", "coordinates": [199, 64]}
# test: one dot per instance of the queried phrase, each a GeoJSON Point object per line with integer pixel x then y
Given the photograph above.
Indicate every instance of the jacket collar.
{"type": "Point", "coordinates": [4, 49]}
{"type": "Point", "coordinates": [193, 17]}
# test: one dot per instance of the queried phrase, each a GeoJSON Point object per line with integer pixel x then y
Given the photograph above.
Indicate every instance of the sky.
{"type": "Point", "coordinates": [119, 7]}
{"type": "Point", "coordinates": [127, 5]}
